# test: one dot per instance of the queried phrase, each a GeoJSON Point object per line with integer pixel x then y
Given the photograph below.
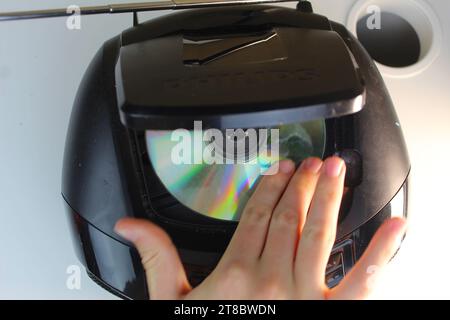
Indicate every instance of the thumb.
{"type": "Point", "coordinates": [166, 278]}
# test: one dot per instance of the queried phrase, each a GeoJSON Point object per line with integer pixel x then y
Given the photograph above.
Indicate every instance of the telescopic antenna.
{"type": "Point", "coordinates": [128, 7]}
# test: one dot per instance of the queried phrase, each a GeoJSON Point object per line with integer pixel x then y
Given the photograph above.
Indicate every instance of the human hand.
{"type": "Point", "coordinates": [280, 248]}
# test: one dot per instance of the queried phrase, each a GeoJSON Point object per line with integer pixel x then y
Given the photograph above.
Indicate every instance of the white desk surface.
{"type": "Point", "coordinates": [41, 65]}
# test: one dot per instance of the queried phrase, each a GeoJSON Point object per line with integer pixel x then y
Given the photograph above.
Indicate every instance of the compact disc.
{"type": "Point", "coordinates": [214, 173]}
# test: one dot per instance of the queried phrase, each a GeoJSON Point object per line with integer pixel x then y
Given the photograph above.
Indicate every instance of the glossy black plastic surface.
{"type": "Point", "coordinates": [113, 264]}
{"type": "Point", "coordinates": [267, 72]}
{"type": "Point", "coordinates": [100, 181]}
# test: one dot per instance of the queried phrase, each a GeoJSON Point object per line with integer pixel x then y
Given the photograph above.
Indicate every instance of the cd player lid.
{"type": "Point", "coordinates": [227, 79]}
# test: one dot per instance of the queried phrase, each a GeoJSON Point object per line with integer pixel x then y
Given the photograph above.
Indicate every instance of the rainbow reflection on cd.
{"type": "Point", "coordinates": [221, 190]}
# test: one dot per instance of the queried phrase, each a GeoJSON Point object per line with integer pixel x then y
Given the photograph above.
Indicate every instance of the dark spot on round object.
{"type": "Point", "coordinates": [396, 44]}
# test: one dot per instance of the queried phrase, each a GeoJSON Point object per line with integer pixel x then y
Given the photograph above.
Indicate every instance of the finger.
{"type": "Point", "coordinates": [248, 240]}
{"type": "Point", "coordinates": [289, 217]}
{"type": "Point", "coordinates": [165, 274]}
{"type": "Point", "coordinates": [359, 283]}
{"type": "Point", "coordinates": [319, 232]}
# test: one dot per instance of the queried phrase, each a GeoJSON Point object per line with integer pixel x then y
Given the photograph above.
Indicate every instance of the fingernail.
{"type": "Point", "coordinates": [312, 165]}
{"type": "Point", "coordinates": [287, 166]}
{"type": "Point", "coordinates": [398, 225]}
{"type": "Point", "coordinates": [125, 233]}
{"type": "Point", "coordinates": [334, 166]}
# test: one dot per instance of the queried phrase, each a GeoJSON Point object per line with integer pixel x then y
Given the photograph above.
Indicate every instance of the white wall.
{"type": "Point", "coordinates": [41, 65]}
